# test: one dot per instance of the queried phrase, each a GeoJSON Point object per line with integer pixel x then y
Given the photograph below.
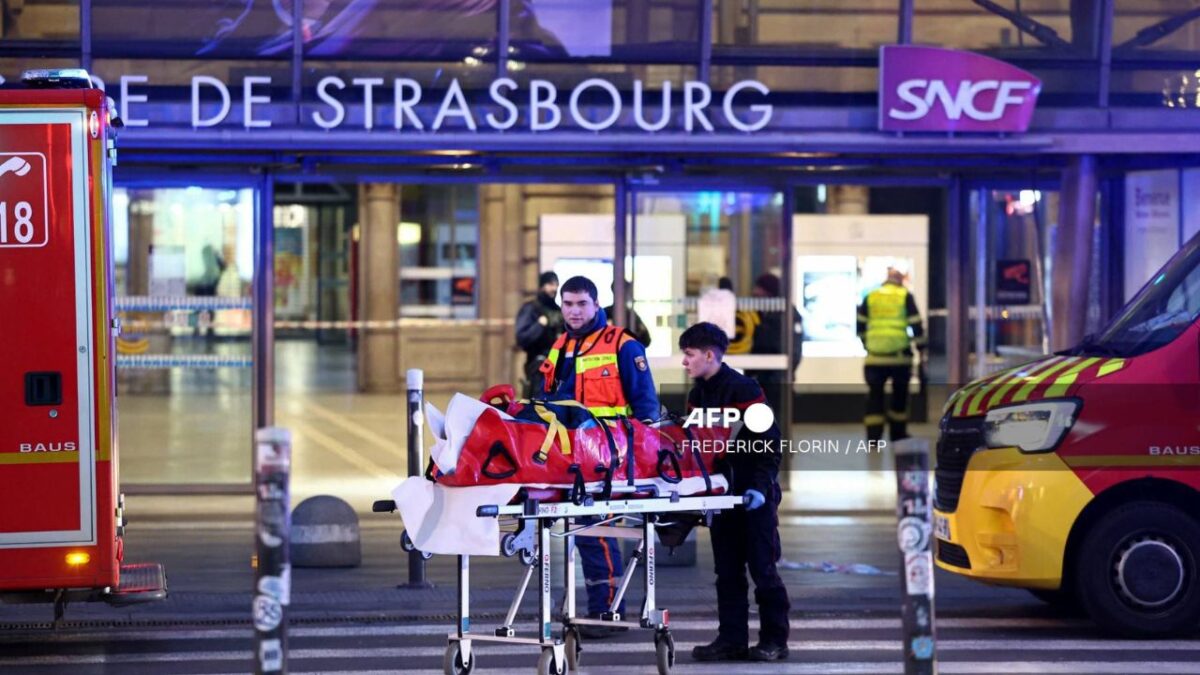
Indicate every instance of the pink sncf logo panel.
{"type": "Point", "coordinates": [940, 90]}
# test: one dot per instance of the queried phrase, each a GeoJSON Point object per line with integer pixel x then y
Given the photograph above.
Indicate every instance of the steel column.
{"type": "Point", "coordinates": [621, 222]}
{"type": "Point", "coordinates": [263, 337]}
{"type": "Point", "coordinates": [957, 306]}
{"type": "Point", "coordinates": [981, 281]}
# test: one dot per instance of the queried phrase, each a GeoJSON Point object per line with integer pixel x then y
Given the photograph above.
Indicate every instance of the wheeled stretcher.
{"type": "Point", "coordinates": [506, 477]}
{"type": "Point", "coordinates": [540, 515]}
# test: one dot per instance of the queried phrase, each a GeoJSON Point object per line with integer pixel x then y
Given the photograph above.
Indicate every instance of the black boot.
{"type": "Point", "coordinates": [765, 651]}
{"type": "Point", "coordinates": [719, 650]}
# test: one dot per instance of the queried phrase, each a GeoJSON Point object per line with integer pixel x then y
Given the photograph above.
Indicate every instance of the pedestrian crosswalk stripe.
{"type": "Point", "coordinates": [383, 630]}
{"type": "Point", "coordinates": [871, 668]}
{"type": "Point", "coordinates": [891, 646]}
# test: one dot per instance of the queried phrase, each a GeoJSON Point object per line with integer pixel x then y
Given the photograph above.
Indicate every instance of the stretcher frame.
{"type": "Point", "coordinates": [621, 517]}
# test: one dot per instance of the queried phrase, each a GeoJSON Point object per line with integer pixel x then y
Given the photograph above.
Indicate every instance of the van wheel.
{"type": "Point", "coordinates": [1137, 571]}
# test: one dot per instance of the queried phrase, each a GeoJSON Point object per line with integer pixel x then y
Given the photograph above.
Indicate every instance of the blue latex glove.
{"type": "Point", "coordinates": [756, 499]}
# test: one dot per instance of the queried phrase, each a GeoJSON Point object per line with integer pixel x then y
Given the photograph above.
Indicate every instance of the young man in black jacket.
{"type": "Point", "coordinates": [742, 538]}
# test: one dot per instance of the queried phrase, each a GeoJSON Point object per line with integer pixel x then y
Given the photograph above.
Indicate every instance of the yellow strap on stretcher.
{"type": "Point", "coordinates": [557, 429]}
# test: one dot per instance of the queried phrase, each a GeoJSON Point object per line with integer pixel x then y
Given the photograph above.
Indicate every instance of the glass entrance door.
{"type": "Point", "coordinates": [710, 255]}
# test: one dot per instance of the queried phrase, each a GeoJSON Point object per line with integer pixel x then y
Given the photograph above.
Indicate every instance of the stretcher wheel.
{"type": "Point", "coordinates": [664, 652]}
{"type": "Point", "coordinates": [508, 544]}
{"type": "Point", "coordinates": [406, 544]}
{"type": "Point", "coordinates": [574, 649]}
{"type": "Point", "coordinates": [527, 557]}
{"type": "Point", "coordinates": [452, 663]}
{"type": "Point", "coordinates": [546, 664]}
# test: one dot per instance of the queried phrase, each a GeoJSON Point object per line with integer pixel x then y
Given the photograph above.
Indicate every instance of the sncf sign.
{"type": "Point", "coordinates": [934, 89]}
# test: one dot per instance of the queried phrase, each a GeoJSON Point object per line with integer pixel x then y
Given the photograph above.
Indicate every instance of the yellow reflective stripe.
{"type": "Point", "coordinates": [610, 411]}
{"type": "Point", "coordinates": [889, 360]}
{"type": "Point", "coordinates": [913, 320]}
{"type": "Point", "coordinates": [897, 416]}
{"type": "Point", "coordinates": [977, 399]}
{"type": "Point", "coordinates": [969, 391]}
{"type": "Point", "coordinates": [553, 356]}
{"type": "Point", "coordinates": [590, 361]}
{"type": "Point", "coordinates": [1008, 378]}
{"type": "Point", "coordinates": [1111, 366]}
{"type": "Point", "coordinates": [874, 420]}
{"type": "Point", "coordinates": [39, 457]}
{"type": "Point", "coordinates": [1019, 376]}
{"type": "Point", "coordinates": [1156, 461]}
{"type": "Point", "coordinates": [1032, 381]}
{"type": "Point", "coordinates": [1068, 378]}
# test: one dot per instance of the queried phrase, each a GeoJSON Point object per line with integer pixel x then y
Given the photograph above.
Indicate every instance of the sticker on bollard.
{"type": "Point", "coordinates": [914, 542]}
{"type": "Point", "coordinates": [325, 533]}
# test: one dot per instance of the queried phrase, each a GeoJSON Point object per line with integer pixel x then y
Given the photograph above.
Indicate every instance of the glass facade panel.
{"type": "Point", "coordinates": [187, 423]}
{"type": "Point", "coordinates": [815, 26]}
{"type": "Point", "coordinates": [39, 20]}
{"type": "Point", "coordinates": [438, 236]}
{"type": "Point", "coordinates": [401, 29]}
{"type": "Point", "coordinates": [1166, 87]}
{"type": "Point", "coordinates": [1156, 28]}
{"type": "Point", "coordinates": [1048, 28]}
{"type": "Point", "coordinates": [631, 30]}
{"type": "Point", "coordinates": [801, 84]}
{"type": "Point", "coordinates": [185, 28]}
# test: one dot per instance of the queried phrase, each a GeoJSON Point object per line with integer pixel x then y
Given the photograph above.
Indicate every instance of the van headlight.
{"type": "Point", "coordinates": [1033, 427]}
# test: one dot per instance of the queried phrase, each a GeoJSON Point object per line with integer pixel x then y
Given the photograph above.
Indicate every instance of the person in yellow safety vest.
{"type": "Point", "coordinates": [604, 368]}
{"type": "Point", "coordinates": [889, 324]}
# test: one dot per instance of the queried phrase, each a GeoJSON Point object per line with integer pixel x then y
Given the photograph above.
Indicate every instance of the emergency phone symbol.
{"type": "Point", "coordinates": [21, 224]}
{"type": "Point", "coordinates": [15, 165]}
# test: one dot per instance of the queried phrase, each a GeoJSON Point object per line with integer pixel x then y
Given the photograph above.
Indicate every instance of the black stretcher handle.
{"type": "Point", "coordinates": [487, 511]}
{"type": "Point", "coordinates": [663, 456]}
{"type": "Point", "coordinates": [498, 450]}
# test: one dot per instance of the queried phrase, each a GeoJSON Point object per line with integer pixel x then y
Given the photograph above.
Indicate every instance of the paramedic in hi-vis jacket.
{"type": "Point", "coordinates": [890, 327]}
{"type": "Point", "coordinates": [604, 368]}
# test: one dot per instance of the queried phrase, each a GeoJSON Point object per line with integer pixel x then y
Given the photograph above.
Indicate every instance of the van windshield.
{"type": "Point", "coordinates": [1159, 313]}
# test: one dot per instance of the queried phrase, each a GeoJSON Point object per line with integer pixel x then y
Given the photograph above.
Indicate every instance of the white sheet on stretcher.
{"type": "Point", "coordinates": [451, 429]}
{"type": "Point", "coordinates": [442, 519]}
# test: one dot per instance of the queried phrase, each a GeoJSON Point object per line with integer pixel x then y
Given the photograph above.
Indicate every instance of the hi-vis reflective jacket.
{"type": "Point", "coordinates": [884, 320]}
{"type": "Point", "coordinates": [606, 371]}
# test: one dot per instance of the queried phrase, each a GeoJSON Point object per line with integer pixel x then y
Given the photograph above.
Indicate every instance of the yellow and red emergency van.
{"type": "Point", "coordinates": [61, 515]}
{"type": "Point", "coordinates": [1077, 476]}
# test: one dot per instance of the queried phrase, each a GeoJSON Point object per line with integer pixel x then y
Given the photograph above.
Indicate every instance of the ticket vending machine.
{"type": "Point", "coordinates": [61, 513]}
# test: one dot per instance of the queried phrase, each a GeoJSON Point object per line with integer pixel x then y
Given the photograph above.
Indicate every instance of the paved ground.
{"type": "Point", "coordinates": [357, 621]}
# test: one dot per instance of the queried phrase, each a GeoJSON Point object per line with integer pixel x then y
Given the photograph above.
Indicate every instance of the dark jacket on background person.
{"type": "Point", "coordinates": [637, 328]}
{"type": "Point", "coordinates": [532, 336]}
{"type": "Point", "coordinates": [636, 381]}
{"type": "Point", "coordinates": [745, 470]}
{"type": "Point", "coordinates": [768, 335]}
{"type": "Point", "coordinates": [536, 339]}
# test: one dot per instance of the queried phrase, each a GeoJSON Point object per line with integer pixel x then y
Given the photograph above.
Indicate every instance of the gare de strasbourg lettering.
{"type": "Point", "coordinates": [922, 89]}
{"type": "Point", "coordinates": [544, 109]}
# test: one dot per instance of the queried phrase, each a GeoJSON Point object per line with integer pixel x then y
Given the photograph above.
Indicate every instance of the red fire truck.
{"type": "Point", "coordinates": [61, 515]}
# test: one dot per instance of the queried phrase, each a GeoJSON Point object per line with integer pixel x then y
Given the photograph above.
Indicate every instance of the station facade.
{"type": "Point", "coordinates": [358, 188]}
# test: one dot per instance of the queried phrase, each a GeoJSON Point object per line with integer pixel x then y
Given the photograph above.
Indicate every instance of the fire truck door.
{"type": "Point", "coordinates": [47, 277]}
